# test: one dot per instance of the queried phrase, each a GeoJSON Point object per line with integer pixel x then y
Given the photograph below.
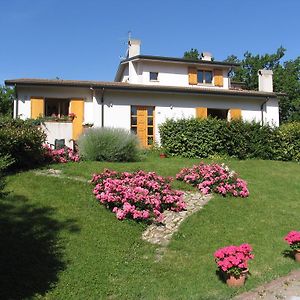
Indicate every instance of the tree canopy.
{"type": "Point", "coordinates": [6, 100]}
{"type": "Point", "coordinates": [192, 54]}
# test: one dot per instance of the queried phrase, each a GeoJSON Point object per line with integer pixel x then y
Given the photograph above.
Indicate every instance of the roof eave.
{"type": "Point", "coordinates": [136, 87]}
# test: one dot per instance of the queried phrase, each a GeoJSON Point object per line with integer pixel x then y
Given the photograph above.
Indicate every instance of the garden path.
{"type": "Point", "coordinates": [287, 287]}
{"type": "Point", "coordinates": [161, 234]}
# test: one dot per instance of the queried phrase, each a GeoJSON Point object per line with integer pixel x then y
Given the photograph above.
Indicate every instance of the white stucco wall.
{"type": "Point", "coordinates": [117, 105]}
{"type": "Point", "coordinates": [58, 130]}
{"type": "Point", "coordinates": [170, 74]}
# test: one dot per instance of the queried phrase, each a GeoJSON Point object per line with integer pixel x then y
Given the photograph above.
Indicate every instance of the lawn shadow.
{"type": "Point", "coordinates": [31, 252]}
{"type": "Point", "coordinates": [288, 253]}
{"type": "Point", "coordinates": [221, 275]}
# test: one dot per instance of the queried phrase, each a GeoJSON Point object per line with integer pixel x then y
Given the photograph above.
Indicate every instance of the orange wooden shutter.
{"type": "Point", "coordinates": [218, 77]}
{"type": "Point", "coordinates": [235, 114]}
{"type": "Point", "coordinates": [142, 125]}
{"type": "Point", "coordinates": [37, 107]}
{"type": "Point", "coordinates": [192, 75]}
{"type": "Point", "coordinates": [201, 112]}
{"type": "Point", "coordinates": [77, 107]}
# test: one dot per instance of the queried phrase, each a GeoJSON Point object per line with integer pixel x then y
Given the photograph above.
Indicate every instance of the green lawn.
{"type": "Point", "coordinates": [57, 242]}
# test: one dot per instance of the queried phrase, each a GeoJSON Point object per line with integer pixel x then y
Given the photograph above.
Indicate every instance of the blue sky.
{"type": "Point", "coordinates": [75, 39]}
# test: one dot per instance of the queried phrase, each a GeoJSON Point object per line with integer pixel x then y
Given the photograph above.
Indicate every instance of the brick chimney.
{"type": "Point", "coordinates": [265, 80]}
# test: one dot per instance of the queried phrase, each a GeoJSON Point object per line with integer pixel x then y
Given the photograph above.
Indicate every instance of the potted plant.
{"type": "Point", "coordinates": [71, 116]}
{"type": "Point", "coordinates": [162, 155]}
{"type": "Point", "coordinates": [293, 239]}
{"type": "Point", "coordinates": [233, 263]}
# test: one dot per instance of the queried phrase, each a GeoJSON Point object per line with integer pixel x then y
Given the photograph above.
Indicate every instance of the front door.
{"type": "Point", "coordinates": [142, 124]}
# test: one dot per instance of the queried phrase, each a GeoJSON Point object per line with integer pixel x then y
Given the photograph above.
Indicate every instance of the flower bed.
{"type": "Point", "coordinates": [60, 155]}
{"type": "Point", "coordinates": [216, 178]}
{"type": "Point", "coordinates": [293, 239]}
{"type": "Point", "coordinates": [233, 260]}
{"type": "Point", "coordinates": [138, 195]}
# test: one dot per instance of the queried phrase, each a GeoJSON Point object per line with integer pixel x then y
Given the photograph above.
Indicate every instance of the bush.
{"type": "Point", "coordinates": [201, 138]}
{"type": "Point", "coordinates": [214, 178]}
{"type": "Point", "coordinates": [22, 141]}
{"type": "Point", "coordinates": [193, 137]}
{"type": "Point", "coordinates": [108, 144]}
{"type": "Point", "coordinates": [5, 162]}
{"type": "Point", "coordinates": [62, 155]}
{"type": "Point", "coordinates": [138, 195]}
{"type": "Point", "coordinates": [287, 142]}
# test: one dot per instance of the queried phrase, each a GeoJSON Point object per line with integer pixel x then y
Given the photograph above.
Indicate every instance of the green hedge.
{"type": "Point", "coordinates": [200, 138]}
{"type": "Point", "coordinates": [22, 141]}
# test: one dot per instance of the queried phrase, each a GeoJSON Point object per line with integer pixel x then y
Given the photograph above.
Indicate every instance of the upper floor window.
{"type": "Point", "coordinates": [153, 76]}
{"type": "Point", "coordinates": [204, 76]}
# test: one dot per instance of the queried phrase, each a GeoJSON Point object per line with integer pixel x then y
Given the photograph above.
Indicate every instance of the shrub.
{"type": "Point", "coordinates": [22, 141]}
{"type": "Point", "coordinates": [214, 178]}
{"type": "Point", "coordinates": [62, 155]}
{"type": "Point", "coordinates": [108, 144]}
{"type": "Point", "coordinates": [193, 137]}
{"type": "Point", "coordinates": [287, 142]}
{"type": "Point", "coordinates": [233, 260]}
{"type": "Point", "coordinates": [201, 138]}
{"type": "Point", "coordinates": [138, 195]}
{"type": "Point", "coordinates": [248, 140]}
{"type": "Point", "coordinates": [5, 162]}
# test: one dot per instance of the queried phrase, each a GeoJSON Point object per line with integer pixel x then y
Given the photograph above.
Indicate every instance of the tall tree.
{"type": "Point", "coordinates": [7, 96]}
{"type": "Point", "coordinates": [286, 78]}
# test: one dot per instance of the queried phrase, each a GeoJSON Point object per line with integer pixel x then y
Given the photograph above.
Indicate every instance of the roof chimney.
{"type": "Point", "coordinates": [265, 80]}
{"type": "Point", "coordinates": [206, 56]}
{"type": "Point", "coordinates": [134, 48]}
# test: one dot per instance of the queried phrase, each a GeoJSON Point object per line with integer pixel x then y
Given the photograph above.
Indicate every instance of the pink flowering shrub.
{"type": "Point", "coordinates": [293, 239]}
{"type": "Point", "coordinates": [138, 195]}
{"type": "Point", "coordinates": [61, 155]}
{"type": "Point", "coordinates": [216, 178]}
{"type": "Point", "coordinates": [233, 260]}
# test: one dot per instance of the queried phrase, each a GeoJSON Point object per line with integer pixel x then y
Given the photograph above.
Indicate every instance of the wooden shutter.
{"type": "Point", "coordinates": [37, 107]}
{"type": "Point", "coordinates": [142, 125]}
{"type": "Point", "coordinates": [235, 114]}
{"type": "Point", "coordinates": [201, 112]}
{"type": "Point", "coordinates": [218, 77]}
{"type": "Point", "coordinates": [77, 107]}
{"type": "Point", "coordinates": [193, 76]}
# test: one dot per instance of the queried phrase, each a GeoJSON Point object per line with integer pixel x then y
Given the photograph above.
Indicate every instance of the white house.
{"type": "Point", "coordinates": [147, 90]}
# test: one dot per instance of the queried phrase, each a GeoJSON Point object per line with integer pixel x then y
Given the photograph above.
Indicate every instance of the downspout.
{"type": "Point", "coordinates": [262, 111]}
{"type": "Point", "coordinates": [17, 101]}
{"type": "Point", "coordinates": [102, 107]}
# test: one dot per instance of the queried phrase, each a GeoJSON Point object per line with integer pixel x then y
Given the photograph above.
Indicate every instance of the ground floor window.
{"type": "Point", "coordinates": [57, 107]}
{"type": "Point", "coordinates": [218, 113]}
{"type": "Point", "coordinates": [142, 124]}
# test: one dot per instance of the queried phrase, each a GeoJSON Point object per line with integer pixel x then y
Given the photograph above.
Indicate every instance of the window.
{"type": "Point", "coordinates": [204, 76]}
{"type": "Point", "coordinates": [153, 76]}
{"type": "Point", "coordinates": [57, 107]}
{"type": "Point", "coordinates": [218, 113]}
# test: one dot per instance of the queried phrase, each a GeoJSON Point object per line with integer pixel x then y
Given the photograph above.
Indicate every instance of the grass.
{"type": "Point", "coordinates": [59, 243]}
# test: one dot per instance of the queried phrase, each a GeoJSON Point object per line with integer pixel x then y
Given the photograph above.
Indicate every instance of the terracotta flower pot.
{"type": "Point", "coordinates": [162, 155]}
{"type": "Point", "coordinates": [297, 255]}
{"type": "Point", "coordinates": [233, 281]}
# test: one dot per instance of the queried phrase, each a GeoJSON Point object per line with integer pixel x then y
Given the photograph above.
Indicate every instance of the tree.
{"type": "Point", "coordinates": [286, 78]}
{"type": "Point", "coordinates": [7, 96]}
{"type": "Point", "coordinates": [192, 54]}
